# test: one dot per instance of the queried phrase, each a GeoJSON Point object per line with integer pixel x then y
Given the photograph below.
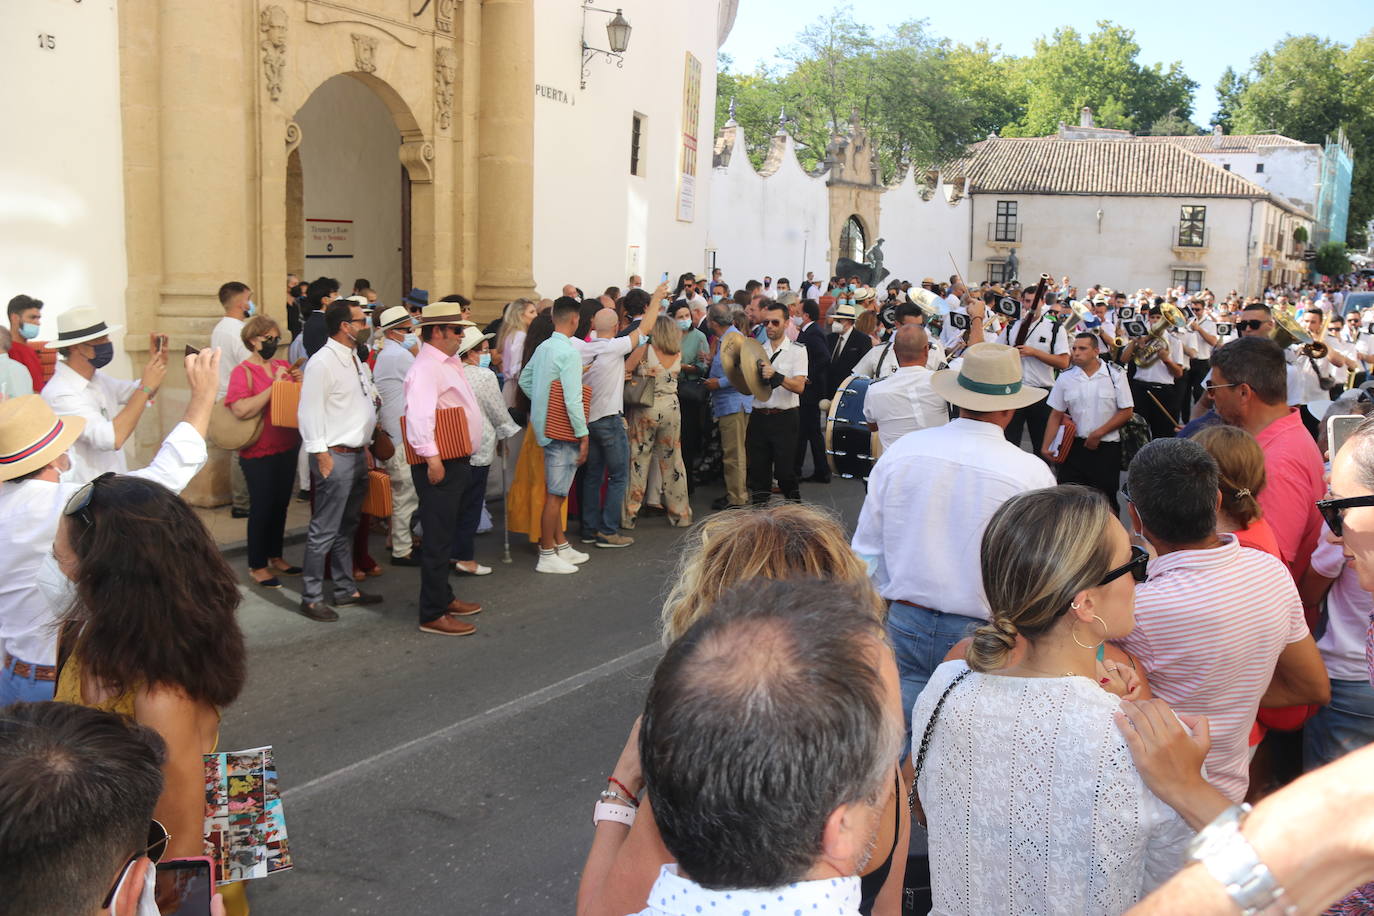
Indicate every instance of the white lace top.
{"type": "Point", "coordinates": [1032, 801]}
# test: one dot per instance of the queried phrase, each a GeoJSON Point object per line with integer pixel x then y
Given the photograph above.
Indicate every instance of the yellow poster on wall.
{"type": "Point", "coordinates": [691, 118]}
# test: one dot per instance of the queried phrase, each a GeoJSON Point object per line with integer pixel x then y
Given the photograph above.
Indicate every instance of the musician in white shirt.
{"type": "Point", "coordinates": [770, 444]}
{"type": "Point", "coordinates": [1097, 397]}
{"type": "Point", "coordinates": [1153, 385]}
{"type": "Point", "coordinates": [904, 401]}
{"type": "Point", "coordinates": [1044, 348]}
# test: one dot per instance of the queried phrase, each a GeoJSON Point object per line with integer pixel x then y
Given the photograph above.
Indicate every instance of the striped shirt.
{"type": "Point", "coordinates": [1209, 628]}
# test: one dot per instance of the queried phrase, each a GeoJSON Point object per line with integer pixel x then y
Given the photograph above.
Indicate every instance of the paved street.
{"type": "Point", "coordinates": [432, 775]}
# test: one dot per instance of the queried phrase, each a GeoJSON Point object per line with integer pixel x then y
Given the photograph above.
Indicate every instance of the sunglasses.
{"type": "Point", "coordinates": [79, 505]}
{"type": "Point", "coordinates": [1250, 324]}
{"type": "Point", "coordinates": [775, 322]}
{"type": "Point", "coordinates": [158, 838]}
{"type": "Point", "coordinates": [1136, 566]}
{"type": "Point", "coordinates": [1331, 510]}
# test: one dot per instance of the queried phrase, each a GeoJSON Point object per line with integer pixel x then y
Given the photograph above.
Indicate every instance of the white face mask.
{"type": "Point", "coordinates": [836, 328]}
{"type": "Point", "coordinates": [796, 321]}
{"type": "Point", "coordinates": [57, 590]}
{"type": "Point", "coordinates": [147, 898]}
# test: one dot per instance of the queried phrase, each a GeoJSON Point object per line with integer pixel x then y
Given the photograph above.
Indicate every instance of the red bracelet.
{"type": "Point", "coordinates": [634, 799]}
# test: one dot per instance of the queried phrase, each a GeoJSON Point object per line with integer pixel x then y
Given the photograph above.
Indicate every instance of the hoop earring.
{"type": "Point", "coordinates": [1074, 634]}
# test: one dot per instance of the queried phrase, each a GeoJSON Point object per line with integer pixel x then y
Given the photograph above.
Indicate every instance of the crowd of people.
{"type": "Point", "coordinates": [1064, 688]}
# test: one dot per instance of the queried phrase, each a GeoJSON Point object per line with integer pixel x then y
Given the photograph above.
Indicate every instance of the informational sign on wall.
{"type": "Point", "coordinates": [691, 117]}
{"type": "Point", "coordinates": [329, 238]}
{"type": "Point", "coordinates": [632, 262]}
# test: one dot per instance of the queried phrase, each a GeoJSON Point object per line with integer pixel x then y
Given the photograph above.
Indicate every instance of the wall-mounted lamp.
{"type": "Point", "coordinates": [617, 34]}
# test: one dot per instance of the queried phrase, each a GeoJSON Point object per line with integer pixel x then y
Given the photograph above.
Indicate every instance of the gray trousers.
{"type": "Point", "coordinates": [338, 504]}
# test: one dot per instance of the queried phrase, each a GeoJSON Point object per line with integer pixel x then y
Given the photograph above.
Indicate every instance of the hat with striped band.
{"type": "Point", "coordinates": [988, 379]}
{"type": "Point", "coordinates": [32, 436]}
{"type": "Point", "coordinates": [80, 325]}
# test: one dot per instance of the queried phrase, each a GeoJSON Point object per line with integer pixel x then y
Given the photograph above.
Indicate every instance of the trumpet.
{"type": "Point", "coordinates": [1288, 332]}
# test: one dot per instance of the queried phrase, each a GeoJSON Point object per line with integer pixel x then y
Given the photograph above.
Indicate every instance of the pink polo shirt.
{"type": "Point", "coordinates": [432, 382]}
{"type": "Point", "coordinates": [1209, 628]}
{"type": "Point", "coordinates": [1293, 484]}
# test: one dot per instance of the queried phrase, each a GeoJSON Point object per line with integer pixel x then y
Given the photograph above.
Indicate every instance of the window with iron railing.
{"type": "Point", "coordinates": [1005, 227]}
{"type": "Point", "coordinates": [1192, 227]}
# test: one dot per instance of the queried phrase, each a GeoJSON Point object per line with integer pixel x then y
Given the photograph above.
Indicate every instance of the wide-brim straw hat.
{"type": "Point", "coordinates": [989, 379]}
{"type": "Point", "coordinates": [863, 294]}
{"type": "Point", "coordinates": [471, 338]}
{"type": "Point", "coordinates": [845, 311]}
{"type": "Point", "coordinates": [393, 316]}
{"type": "Point", "coordinates": [443, 313]}
{"type": "Point", "coordinates": [32, 436]}
{"type": "Point", "coordinates": [80, 325]}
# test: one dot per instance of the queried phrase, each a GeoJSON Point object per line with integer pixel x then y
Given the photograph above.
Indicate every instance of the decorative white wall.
{"type": "Point", "coordinates": [1292, 172]}
{"type": "Point", "coordinates": [61, 173]}
{"type": "Point", "coordinates": [925, 224]}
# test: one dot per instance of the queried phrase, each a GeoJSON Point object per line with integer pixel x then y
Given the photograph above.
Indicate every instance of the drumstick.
{"type": "Point", "coordinates": [955, 265]}
{"type": "Point", "coordinates": [1164, 410]}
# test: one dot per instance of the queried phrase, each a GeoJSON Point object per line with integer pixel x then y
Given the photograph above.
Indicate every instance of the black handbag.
{"type": "Point", "coordinates": [916, 892]}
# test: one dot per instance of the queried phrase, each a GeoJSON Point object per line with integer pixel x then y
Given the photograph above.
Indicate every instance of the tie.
{"type": "Point", "coordinates": [835, 354]}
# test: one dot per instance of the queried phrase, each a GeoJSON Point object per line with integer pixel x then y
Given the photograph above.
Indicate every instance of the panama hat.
{"type": "Point", "coordinates": [393, 316]}
{"type": "Point", "coordinates": [76, 326]}
{"type": "Point", "coordinates": [989, 379]}
{"type": "Point", "coordinates": [787, 297]}
{"type": "Point", "coordinates": [32, 436]}
{"type": "Point", "coordinates": [845, 311]}
{"type": "Point", "coordinates": [864, 293]}
{"type": "Point", "coordinates": [471, 338]}
{"type": "Point", "coordinates": [443, 313]}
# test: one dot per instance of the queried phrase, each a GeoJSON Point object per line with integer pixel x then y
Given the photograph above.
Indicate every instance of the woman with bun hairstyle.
{"type": "Point", "coordinates": [1240, 467]}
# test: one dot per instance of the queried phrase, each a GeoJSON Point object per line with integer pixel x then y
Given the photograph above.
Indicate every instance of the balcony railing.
{"type": "Point", "coordinates": [1007, 233]}
{"type": "Point", "coordinates": [1191, 237]}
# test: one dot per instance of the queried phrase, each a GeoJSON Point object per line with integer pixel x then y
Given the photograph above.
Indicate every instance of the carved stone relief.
{"type": "Point", "coordinates": [293, 136]}
{"type": "Point", "coordinates": [272, 25]}
{"type": "Point", "coordinates": [443, 15]}
{"type": "Point", "coordinates": [445, 72]}
{"type": "Point", "coordinates": [365, 53]}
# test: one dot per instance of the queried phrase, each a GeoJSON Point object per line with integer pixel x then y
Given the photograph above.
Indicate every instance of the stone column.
{"type": "Point", "coordinates": [505, 167]}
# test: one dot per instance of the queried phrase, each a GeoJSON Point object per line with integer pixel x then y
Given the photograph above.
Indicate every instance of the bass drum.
{"type": "Point", "coordinates": [850, 447]}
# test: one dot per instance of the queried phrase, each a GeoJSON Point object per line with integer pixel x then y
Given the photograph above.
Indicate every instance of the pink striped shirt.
{"type": "Point", "coordinates": [1209, 628]}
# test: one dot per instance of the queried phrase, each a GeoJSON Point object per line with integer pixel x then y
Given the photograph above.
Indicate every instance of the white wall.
{"type": "Point", "coordinates": [1133, 247]}
{"type": "Point", "coordinates": [921, 235]}
{"type": "Point", "coordinates": [588, 208]}
{"type": "Point", "coordinates": [776, 225]}
{"type": "Point", "coordinates": [351, 170]}
{"type": "Point", "coordinates": [62, 164]}
{"type": "Point", "coordinates": [1292, 172]}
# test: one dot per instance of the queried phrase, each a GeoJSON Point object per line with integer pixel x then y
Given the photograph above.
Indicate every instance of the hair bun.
{"type": "Point", "coordinates": [991, 645]}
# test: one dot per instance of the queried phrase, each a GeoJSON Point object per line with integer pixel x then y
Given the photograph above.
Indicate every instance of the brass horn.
{"type": "Point", "coordinates": [1288, 332]}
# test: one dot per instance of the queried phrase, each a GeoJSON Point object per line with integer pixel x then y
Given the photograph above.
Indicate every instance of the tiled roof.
{"type": "Point", "coordinates": [1044, 165]}
{"type": "Point", "coordinates": [1230, 143]}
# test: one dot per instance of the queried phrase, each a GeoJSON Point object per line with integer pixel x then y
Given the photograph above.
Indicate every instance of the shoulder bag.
{"type": "Point", "coordinates": [639, 390]}
{"type": "Point", "coordinates": [229, 432]}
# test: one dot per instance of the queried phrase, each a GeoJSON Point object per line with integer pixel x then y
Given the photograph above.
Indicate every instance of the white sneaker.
{"type": "Point", "coordinates": [566, 552]}
{"type": "Point", "coordinates": [553, 563]}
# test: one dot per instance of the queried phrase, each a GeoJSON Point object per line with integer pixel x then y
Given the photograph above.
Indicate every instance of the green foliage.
{"type": "Point", "coordinates": [1331, 259]}
{"type": "Point", "coordinates": [1300, 234]}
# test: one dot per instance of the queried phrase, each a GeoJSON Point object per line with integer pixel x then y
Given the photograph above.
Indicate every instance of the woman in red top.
{"type": "Point", "coordinates": [269, 465]}
{"type": "Point", "coordinates": [1240, 460]}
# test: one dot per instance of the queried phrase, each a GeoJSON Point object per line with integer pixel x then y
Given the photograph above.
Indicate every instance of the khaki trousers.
{"type": "Point", "coordinates": [732, 432]}
{"type": "Point", "coordinates": [404, 502]}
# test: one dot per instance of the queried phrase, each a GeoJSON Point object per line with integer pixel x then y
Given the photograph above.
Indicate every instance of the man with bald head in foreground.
{"type": "Point", "coordinates": [904, 401]}
{"type": "Point", "coordinates": [604, 362]}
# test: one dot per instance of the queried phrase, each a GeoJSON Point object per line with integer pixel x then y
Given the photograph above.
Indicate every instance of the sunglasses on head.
{"type": "Point", "coordinates": [1331, 511]}
{"type": "Point", "coordinates": [79, 505]}
{"type": "Point", "coordinates": [158, 838]}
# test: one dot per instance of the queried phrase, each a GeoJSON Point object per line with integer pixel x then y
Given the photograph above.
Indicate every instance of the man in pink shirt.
{"type": "Point", "coordinates": [436, 381]}
{"type": "Point", "coordinates": [1250, 389]}
{"type": "Point", "coordinates": [1218, 627]}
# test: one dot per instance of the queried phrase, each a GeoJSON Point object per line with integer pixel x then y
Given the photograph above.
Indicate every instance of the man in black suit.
{"type": "Point", "coordinates": [809, 432]}
{"type": "Point", "coordinates": [846, 347]}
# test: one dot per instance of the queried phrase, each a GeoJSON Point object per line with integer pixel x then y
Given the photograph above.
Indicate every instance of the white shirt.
{"type": "Point", "coordinates": [880, 361]}
{"type": "Point", "coordinates": [675, 895]}
{"type": "Point", "coordinates": [904, 402]}
{"type": "Point", "coordinates": [338, 400]}
{"type": "Point", "coordinates": [99, 400]}
{"type": "Point", "coordinates": [227, 335]}
{"type": "Point", "coordinates": [1201, 348]}
{"type": "Point", "coordinates": [29, 514]}
{"type": "Point", "coordinates": [1157, 373]}
{"type": "Point", "coordinates": [1091, 400]}
{"type": "Point", "coordinates": [1044, 335]}
{"type": "Point", "coordinates": [393, 362]}
{"type": "Point", "coordinates": [929, 498]}
{"type": "Point", "coordinates": [1348, 609]}
{"type": "Point", "coordinates": [791, 361]}
{"type": "Point", "coordinates": [1032, 801]}
{"type": "Point", "coordinates": [498, 424]}
{"type": "Point", "coordinates": [1305, 377]}
{"type": "Point", "coordinates": [14, 378]}
{"type": "Point", "coordinates": [603, 367]}
{"type": "Point", "coordinates": [949, 334]}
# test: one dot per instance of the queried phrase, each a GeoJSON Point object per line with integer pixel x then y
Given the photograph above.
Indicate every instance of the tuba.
{"type": "Point", "coordinates": [1288, 332]}
{"type": "Point", "coordinates": [1155, 346]}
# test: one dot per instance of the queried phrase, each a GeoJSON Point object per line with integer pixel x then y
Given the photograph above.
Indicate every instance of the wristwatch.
{"type": "Point", "coordinates": [1227, 855]}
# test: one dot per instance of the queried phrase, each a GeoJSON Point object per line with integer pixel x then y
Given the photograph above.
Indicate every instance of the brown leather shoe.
{"type": "Point", "coordinates": [460, 608]}
{"type": "Point", "coordinates": [448, 626]}
{"type": "Point", "coordinates": [318, 610]}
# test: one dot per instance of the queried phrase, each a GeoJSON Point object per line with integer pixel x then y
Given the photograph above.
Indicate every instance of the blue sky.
{"type": "Point", "coordinates": [1205, 36]}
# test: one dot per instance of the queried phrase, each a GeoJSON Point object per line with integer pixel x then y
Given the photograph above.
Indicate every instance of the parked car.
{"type": "Point", "coordinates": [1357, 302]}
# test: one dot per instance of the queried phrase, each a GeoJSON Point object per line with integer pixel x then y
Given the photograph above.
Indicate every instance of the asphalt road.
{"type": "Point", "coordinates": [424, 774]}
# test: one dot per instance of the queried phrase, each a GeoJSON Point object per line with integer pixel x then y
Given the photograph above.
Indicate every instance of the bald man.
{"type": "Point", "coordinates": [904, 401]}
{"type": "Point", "coordinates": [605, 359]}
{"type": "Point", "coordinates": [572, 292]}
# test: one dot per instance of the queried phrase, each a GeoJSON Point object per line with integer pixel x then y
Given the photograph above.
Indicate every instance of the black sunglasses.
{"type": "Point", "coordinates": [1250, 324]}
{"type": "Point", "coordinates": [1331, 510]}
{"type": "Point", "coordinates": [1136, 566]}
{"type": "Point", "coordinates": [158, 838]}
{"type": "Point", "coordinates": [80, 503]}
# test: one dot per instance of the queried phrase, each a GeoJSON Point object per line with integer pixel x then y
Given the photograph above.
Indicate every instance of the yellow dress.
{"type": "Point", "coordinates": [69, 691]}
{"type": "Point", "coordinates": [525, 501]}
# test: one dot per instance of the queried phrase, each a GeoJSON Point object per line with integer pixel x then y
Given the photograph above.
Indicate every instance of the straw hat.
{"type": "Point", "coordinates": [845, 311]}
{"type": "Point", "coordinates": [76, 326]}
{"type": "Point", "coordinates": [471, 338]}
{"type": "Point", "coordinates": [32, 436]}
{"type": "Point", "coordinates": [393, 316]}
{"type": "Point", "coordinates": [864, 293]}
{"type": "Point", "coordinates": [989, 379]}
{"type": "Point", "coordinates": [443, 313]}
{"type": "Point", "coordinates": [787, 297]}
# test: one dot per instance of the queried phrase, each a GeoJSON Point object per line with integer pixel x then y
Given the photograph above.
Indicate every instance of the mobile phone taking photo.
{"type": "Point", "coordinates": [185, 886]}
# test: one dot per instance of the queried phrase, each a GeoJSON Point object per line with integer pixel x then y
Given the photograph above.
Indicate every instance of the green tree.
{"type": "Point", "coordinates": [1229, 89]}
{"type": "Point", "coordinates": [1171, 125]}
{"type": "Point", "coordinates": [1331, 259]}
{"type": "Point", "coordinates": [760, 98]}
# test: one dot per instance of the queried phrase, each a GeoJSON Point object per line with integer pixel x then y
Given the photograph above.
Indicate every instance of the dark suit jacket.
{"type": "Point", "coordinates": [818, 363]}
{"type": "Point", "coordinates": [842, 364]}
{"type": "Point", "coordinates": [315, 332]}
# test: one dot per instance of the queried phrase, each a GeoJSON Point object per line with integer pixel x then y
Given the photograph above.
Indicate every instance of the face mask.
{"type": "Point", "coordinates": [147, 898]}
{"type": "Point", "coordinates": [104, 352]}
{"type": "Point", "coordinates": [484, 360]}
{"type": "Point", "coordinates": [836, 328]}
{"type": "Point", "coordinates": [28, 331]}
{"type": "Point", "coordinates": [715, 297]}
{"type": "Point", "coordinates": [850, 287]}
{"type": "Point", "coordinates": [267, 348]}
{"type": "Point", "coordinates": [796, 321]}
{"type": "Point", "coordinates": [59, 592]}
{"type": "Point", "coordinates": [362, 335]}
{"type": "Point", "coordinates": [252, 309]}
{"type": "Point", "coordinates": [411, 342]}
{"type": "Point", "coordinates": [685, 324]}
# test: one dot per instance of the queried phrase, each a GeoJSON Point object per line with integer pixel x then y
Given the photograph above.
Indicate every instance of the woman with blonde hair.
{"type": "Point", "coordinates": [508, 348]}
{"type": "Point", "coordinates": [1240, 462]}
{"type": "Point", "coordinates": [1034, 804]}
{"type": "Point", "coordinates": [780, 542]}
{"type": "Point", "coordinates": [656, 433]}
{"type": "Point", "coordinates": [867, 323]}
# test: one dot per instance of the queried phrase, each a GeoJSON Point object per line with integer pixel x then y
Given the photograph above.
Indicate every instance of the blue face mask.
{"type": "Point", "coordinates": [685, 323]}
{"type": "Point", "coordinates": [411, 342]}
{"type": "Point", "coordinates": [28, 331]}
{"type": "Point", "coordinates": [850, 287]}
{"type": "Point", "coordinates": [104, 352]}
{"type": "Point", "coordinates": [484, 360]}
{"type": "Point", "coordinates": [252, 309]}
{"type": "Point", "coordinates": [715, 297]}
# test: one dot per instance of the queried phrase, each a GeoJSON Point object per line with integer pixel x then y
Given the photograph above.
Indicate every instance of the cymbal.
{"type": "Point", "coordinates": [924, 298]}
{"type": "Point", "coordinates": [740, 358]}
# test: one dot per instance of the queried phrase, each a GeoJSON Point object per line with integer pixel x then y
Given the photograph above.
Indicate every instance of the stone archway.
{"type": "Point", "coordinates": [853, 241]}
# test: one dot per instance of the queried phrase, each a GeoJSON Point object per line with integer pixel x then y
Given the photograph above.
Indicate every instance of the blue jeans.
{"type": "Point", "coordinates": [920, 639]}
{"type": "Point", "coordinates": [1343, 725]}
{"type": "Point", "coordinates": [608, 452]}
{"type": "Point", "coordinates": [16, 689]}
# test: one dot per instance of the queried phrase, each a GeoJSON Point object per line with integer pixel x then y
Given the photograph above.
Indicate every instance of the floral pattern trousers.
{"type": "Point", "coordinates": [656, 437]}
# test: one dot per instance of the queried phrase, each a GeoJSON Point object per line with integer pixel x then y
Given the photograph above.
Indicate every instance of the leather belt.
{"type": "Point", "coordinates": [345, 449]}
{"type": "Point", "coordinates": [37, 672]}
{"type": "Point", "coordinates": [773, 410]}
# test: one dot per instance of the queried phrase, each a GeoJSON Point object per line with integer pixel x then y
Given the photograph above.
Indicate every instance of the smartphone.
{"type": "Point", "coordinates": [191, 351]}
{"type": "Point", "coordinates": [162, 343]}
{"type": "Point", "coordinates": [188, 884]}
{"type": "Point", "coordinates": [1338, 429]}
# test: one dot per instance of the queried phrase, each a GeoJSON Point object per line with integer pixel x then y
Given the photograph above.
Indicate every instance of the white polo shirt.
{"type": "Point", "coordinates": [1044, 335]}
{"type": "Point", "coordinates": [904, 402]}
{"type": "Point", "coordinates": [791, 360]}
{"type": "Point", "coordinates": [1092, 399]}
{"type": "Point", "coordinates": [603, 368]}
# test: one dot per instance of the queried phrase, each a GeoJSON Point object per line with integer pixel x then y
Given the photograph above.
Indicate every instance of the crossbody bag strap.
{"type": "Point", "coordinates": [930, 727]}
